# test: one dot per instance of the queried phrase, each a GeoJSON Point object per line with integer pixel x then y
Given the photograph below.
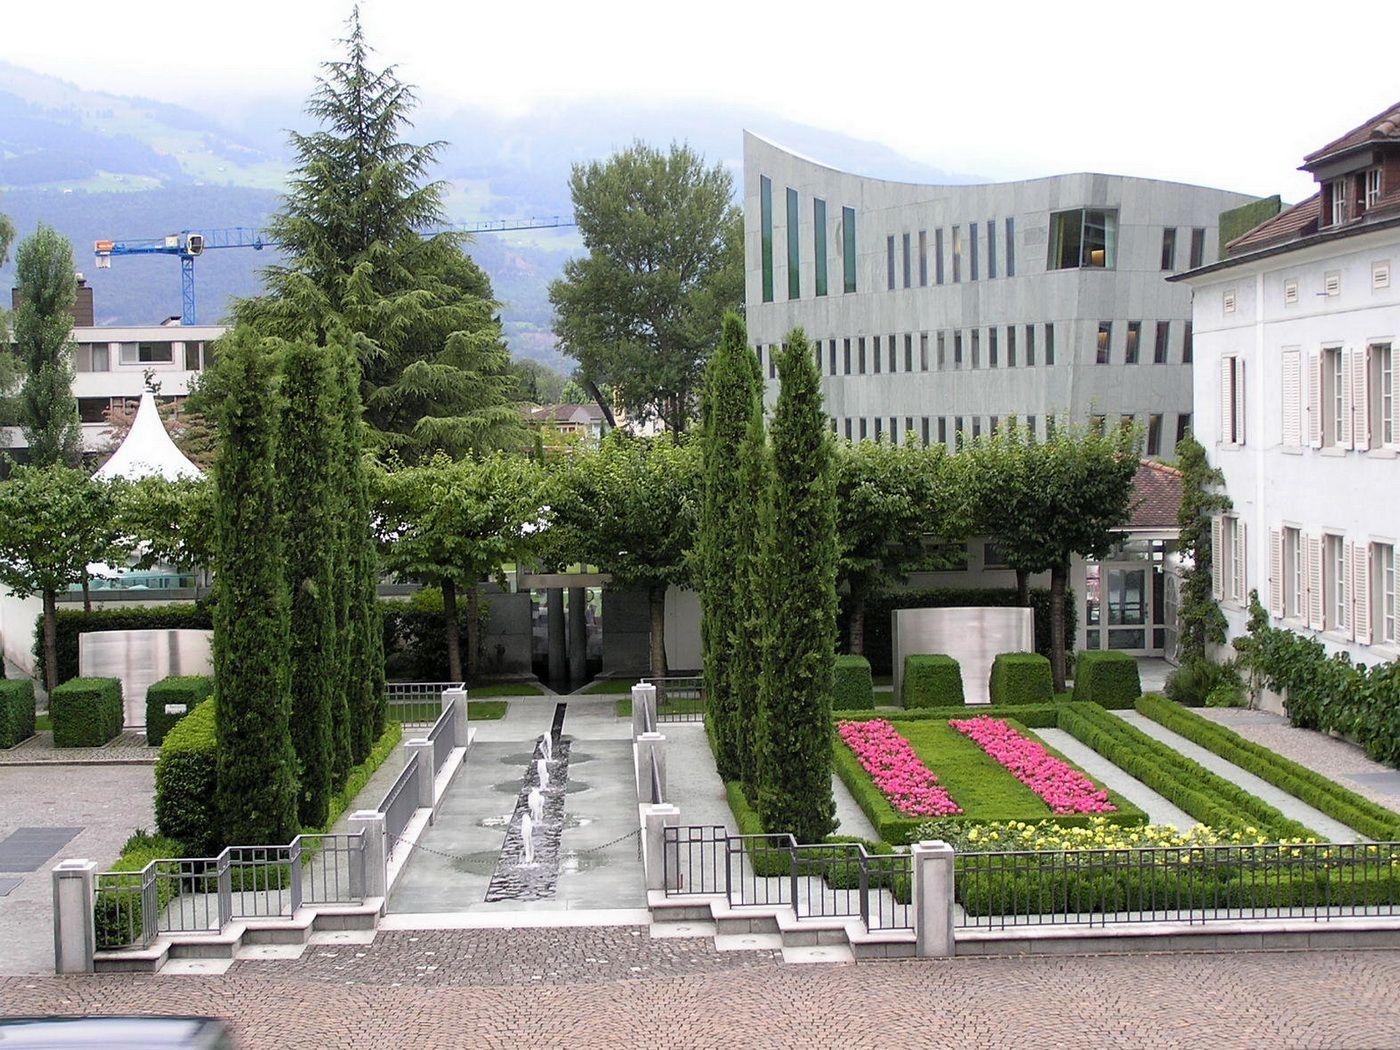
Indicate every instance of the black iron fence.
{"type": "Point", "coordinates": [415, 703]}
{"type": "Point", "coordinates": [679, 699]}
{"type": "Point", "coordinates": [837, 880]}
{"type": "Point", "coordinates": [1195, 884]}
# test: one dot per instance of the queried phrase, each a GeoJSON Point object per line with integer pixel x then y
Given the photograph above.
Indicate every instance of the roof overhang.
{"type": "Point", "coordinates": [1297, 245]}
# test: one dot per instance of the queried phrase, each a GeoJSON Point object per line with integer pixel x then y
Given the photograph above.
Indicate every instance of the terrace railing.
{"type": "Point", "coordinates": [1196, 884]}
{"type": "Point", "coordinates": [443, 735]}
{"type": "Point", "coordinates": [400, 802]}
{"type": "Point", "coordinates": [825, 881]}
{"type": "Point", "coordinates": [415, 703]}
{"type": "Point", "coordinates": [207, 894]}
{"type": "Point", "coordinates": [679, 699]}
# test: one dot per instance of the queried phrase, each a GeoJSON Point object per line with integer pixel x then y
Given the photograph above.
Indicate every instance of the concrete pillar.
{"type": "Point", "coordinates": [459, 722]}
{"type": "Point", "coordinates": [643, 709]}
{"type": "Point", "coordinates": [933, 899]}
{"type": "Point", "coordinates": [647, 746]}
{"type": "Point", "coordinates": [578, 636]}
{"type": "Point", "coordinates": [554, 610]}
{"type": "Point", "coordinates": [371, 879]}
{"type": "Point", "coordinates": [421, 751]}
{"type": "Point", "coordinates": [661, 874]}
{"type": "Point", "coordinates": [74, 933]}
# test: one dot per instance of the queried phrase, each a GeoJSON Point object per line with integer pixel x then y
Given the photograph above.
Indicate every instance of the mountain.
{"type": "Point", "coordinates": [97, 165]}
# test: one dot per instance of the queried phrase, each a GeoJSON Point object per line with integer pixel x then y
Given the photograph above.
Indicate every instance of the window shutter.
{"type": "Point", "coordinates": [1361, 593]}
{"type": "Point", "coordinates": [1315, 582]}
{"type": "Point", "coordinates": [1315, 400]}
{"type": "Point", "coordinates": [1217, 553]}
{"type": "Point", "coordinates": [1241, 573]}
{"type": "Point", "coordinates": [1276, 572]}
{"type": "Point", "coordinates": [1347, 355]}
{"type": "Point", "coordinates": [1292, 399]}
{"type": "Point", "coordinates": [1239, 401]}
{"type": "Point", "coordinates": [1226, 405]}
{"type": "Point", "coordinates": [1344, 587]}
{"type": "Point", "coordinates": [1361, 399]}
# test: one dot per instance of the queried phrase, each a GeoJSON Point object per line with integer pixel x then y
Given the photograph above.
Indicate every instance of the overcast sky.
{"type": "Point", "coordinates": [1221, 93]}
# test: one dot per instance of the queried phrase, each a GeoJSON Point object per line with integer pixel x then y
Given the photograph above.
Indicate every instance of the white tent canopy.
{"type": "Point", "coordinates": [148, 450]}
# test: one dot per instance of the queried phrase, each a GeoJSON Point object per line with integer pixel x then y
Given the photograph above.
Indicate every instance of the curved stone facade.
{"type": "Point", "coordinates": [960, 277]}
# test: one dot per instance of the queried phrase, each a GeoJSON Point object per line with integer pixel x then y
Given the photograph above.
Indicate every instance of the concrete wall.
{"type": "Point", "coordinates": [1352, 493]}
{"type": "Point", "coordinates": [627, 631]}
{"type": "Point", "coordinates": [1073, 300]}
{"type": "Point", "coordinates": [509, 628]}
{"type": "Point", "coordinates": [17, 617]}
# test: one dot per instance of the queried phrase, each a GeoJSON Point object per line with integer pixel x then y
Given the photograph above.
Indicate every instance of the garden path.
{"type": "Point", "coordinates": [1291, 807]}
{"type": "Point", "coordinates": [1341, 760]}
{"type": "Point", "coordinates": [1157, 808]}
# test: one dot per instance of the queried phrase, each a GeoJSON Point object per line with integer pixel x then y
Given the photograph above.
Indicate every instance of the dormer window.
{"type": "Point", "coordinates": [1373, 187]}
{"type": "Point", "coordinates": [1339, 201]}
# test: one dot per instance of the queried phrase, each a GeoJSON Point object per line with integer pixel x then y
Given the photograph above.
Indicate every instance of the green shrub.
{"type": "Point", "coordinates": [183, 691]}
{"type": "Point", "coordinates": [1021, 678]}
{"type": "Point", "coordinates": [186, 778]}
{"type": "Point", "coordinates": [1340, 803]}
{"type": "Point", "coordinates": [1226, 694]}
{"type": "Point", "coordinates": [72, 622]}
{"type": "Point", "coordinates": [86, 712]}
{"type": "Point", "coordinates": [117, 907]}
{"type": "Point", "coordinates": [1032, 716]}
{"type": "Point", "coordinates": [1109, 679]}
{"type": "Point", "coordinates": [16, 711]}
{"type": "Point", "coordinates": [360, 775]}
{"type": "Point", "coordinates": [931, 681]}
{"type": "Point", "coordinates": [852, 686]}
{"type": "Point", "coordinates": [1194, 680]}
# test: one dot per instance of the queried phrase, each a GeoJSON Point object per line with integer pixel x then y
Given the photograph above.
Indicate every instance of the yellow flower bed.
{"type": "Point", "coordinates": [1099, 834]}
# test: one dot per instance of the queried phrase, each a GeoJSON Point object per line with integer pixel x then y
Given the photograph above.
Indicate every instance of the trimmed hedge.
{"type": "Point", "coordinates": [1107, 678]}
{"type": "Point", "coordinates": [117, 909]}
{"type": "Point", "coordinates": [86, 712]}
{"type": "Point", "coordinates": [1205, 796]}
{"type": "Point", "coordinates": [1032, 716]}
{"type": "Point", "coordinates": [852, 685]}
{"type": "Point", "coordinates": [879, 647]}
{"type": "Point", "coordinates": [1355, 811]}
{"type": "Point", "coordinates": [16, 711]}
{"type": "Point", "coordinates": [186, 778]}
{"type": "Point", "coordinates": [73, 622]}
{"type": "Point", "coordinates": [187, 690]}
{"type": "Point", "coordinates": [360, 775]}
{"type": "Point", "coordinates": [1021, 678]}
{"type": "Point", "coordinates": [931, 681]}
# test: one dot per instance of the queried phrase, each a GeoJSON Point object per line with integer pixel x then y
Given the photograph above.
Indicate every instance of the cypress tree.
{"type": "Point", "coordinates": [307, 442]}
{"type": "Point", "coordinates": [799, 637]}
{"type": "Point", "coordinates": [257, 790]}
{"type": "Point", "coordinates": [746, 628]}
{"type": "Point", "coordinates": [725, 407]}
{"type": "Point", "coordinates": [48, 412]}
{"type": "Point", "coordinates": [342, 669]}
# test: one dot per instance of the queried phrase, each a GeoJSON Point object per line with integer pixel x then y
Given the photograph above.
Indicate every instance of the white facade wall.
{"type": "Point", "coordinates": [1273, 483]}
{"type": "Point", "coordinates": [1073, 300]}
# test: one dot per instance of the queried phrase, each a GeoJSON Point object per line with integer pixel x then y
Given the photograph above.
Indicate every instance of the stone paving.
{"type": "Point", "coordinates": [541, 990]}
{"type": "Point", "coordinates": [129, 748]}
{"type": "Point", "coordinates": [1338, 759]}
{"type": "Point", "coordinates": [1157, 808]}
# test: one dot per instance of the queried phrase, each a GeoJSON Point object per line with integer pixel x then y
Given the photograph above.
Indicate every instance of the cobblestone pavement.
{"type": "Point", "coordinates": [127, 749]}
{"type": "Point", "coordinates": [1339, 759]}
{"type": "Point", "coordinates": [538, 988]}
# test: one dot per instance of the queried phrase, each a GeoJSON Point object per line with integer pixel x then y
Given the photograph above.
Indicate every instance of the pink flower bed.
{"type": "Point", "coordinates": [1064, 788]}
{"type": "Point", "coordinates": [897, 770]}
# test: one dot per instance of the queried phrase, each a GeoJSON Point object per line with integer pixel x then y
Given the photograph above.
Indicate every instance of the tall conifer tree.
{"type": "Point", "coordinates": [257, 789]}
{"type": "Point", "coordinates": [750, 602]}
{"type": "Point", "coordinates": [799, 638]}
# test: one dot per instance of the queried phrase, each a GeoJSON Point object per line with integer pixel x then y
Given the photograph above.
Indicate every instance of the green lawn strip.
{"type": "Point", "coordinates": [672, 707]}
{"type": "Point", "coordinates": [609, 687]}
{"type": "Point", "coordinates": [42, 722]}
{"type": "Point", "coordinates": [986, 790]}
{"type": "Point", "coordinates": [1355, 811]}
{"type": "Point", "coordinates": [1036, 716]}
{"type": "Point", "coordinates": [1205, 796]}
{"type": "Point", "coordinates": [484, 692]}
{"type": "Point", "coordinates": [486, 710]}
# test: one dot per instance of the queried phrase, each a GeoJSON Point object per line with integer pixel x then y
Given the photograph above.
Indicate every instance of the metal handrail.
{"type": "Point", "coordinates": [400, 802]}
{"type": "Point", "coordinates": [443, 735]}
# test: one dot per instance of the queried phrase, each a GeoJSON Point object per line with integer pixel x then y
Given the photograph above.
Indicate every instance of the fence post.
{"type": "Point", "coordinates": [660, 861]}
{"type": "Point", "coordinates": [421, 751]}
{"type": "Point", "coordinates": [643, 709]}
{"type": "Point", "coordinates": [74, 928]}
{"type": "Point", "coordinates": [459, 721]}
{"type": "Point", "coordinates": [370, 877]}
{"type": "Point", "coordinates": [651, 747]}
{"type": "Point", "coordinates": [933, 899]}
{"type": "Point", "coordinates": [224, 873]}
{"type": "Point", "coordinates": [294, 857]}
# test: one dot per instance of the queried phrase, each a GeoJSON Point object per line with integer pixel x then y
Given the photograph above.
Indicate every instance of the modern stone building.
{"type": "Point", "coordinates": [943, 309]}
{"type": "Point", "coordinates": [1297, 331]}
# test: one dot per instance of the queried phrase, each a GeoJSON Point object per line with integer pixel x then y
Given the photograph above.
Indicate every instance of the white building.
{"type": "Point", "coordinates": [1295, 401]}
{"type": "Point", "coordinates": [939, 310]}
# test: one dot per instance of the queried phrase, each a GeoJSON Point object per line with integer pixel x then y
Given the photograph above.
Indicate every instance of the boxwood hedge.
{"type": "Point", "coordinates": [16, 711]}
{"type": "Point", "coordinates": [86, 712]}
{"type": "Point", "coordinates": [931, 681]}
{"type": "Point", "coordinates": [1107, 678]}
{"type": "Point", "coordinates": [1021, 678]}
{"type": "Point", "coordinates": [170, 700]}
{"type": "Point", "coordinates": [852, 686]}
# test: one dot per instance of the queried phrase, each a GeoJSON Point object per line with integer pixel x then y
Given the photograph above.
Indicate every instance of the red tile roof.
{"type": "Point", "coordinates": [1157, 492]}
{"type": "Point", "coordinates": [1298, 221]}
{"type": "Point", "coordinates": [1383, 127]}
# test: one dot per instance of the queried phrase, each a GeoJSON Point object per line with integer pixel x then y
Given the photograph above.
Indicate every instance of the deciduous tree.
{"type": "Point", "coordinates": [43, 321]}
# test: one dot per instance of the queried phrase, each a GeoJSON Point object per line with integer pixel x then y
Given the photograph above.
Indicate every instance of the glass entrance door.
{"type": "Point", "coordinates": [1128, 607]}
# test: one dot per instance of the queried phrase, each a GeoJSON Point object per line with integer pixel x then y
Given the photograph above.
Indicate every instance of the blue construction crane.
{"type": "Point", "coordinates": [189, 245]}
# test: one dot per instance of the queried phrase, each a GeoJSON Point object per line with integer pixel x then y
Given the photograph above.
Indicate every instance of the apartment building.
{"type": "Point", "coordinates": [1295, 390]}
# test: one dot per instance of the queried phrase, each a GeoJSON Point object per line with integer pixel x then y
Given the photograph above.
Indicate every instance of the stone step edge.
{"type": "Point", "coordinates": [795, 931]}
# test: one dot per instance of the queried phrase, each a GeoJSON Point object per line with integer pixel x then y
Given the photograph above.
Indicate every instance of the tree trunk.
{"type": "Point", "coordinates": [1057, 625]}
{"type": "Point", "coordinates": [87, 592]}
{"type": "Point", "coordinates": [50, 640]}
{"type": "Point", "coordinates": [597, 396]}
{"type": "Point", "coordinates": [454, 634]}
{"type": "Point", "coordinates": [473, 629]}
{"type": "Point", "coordinates": [857, 626]}
{"type": "Point", "coordinates": [657, 601]}
{"type": "Point", "coordinates": [1023, 588]}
